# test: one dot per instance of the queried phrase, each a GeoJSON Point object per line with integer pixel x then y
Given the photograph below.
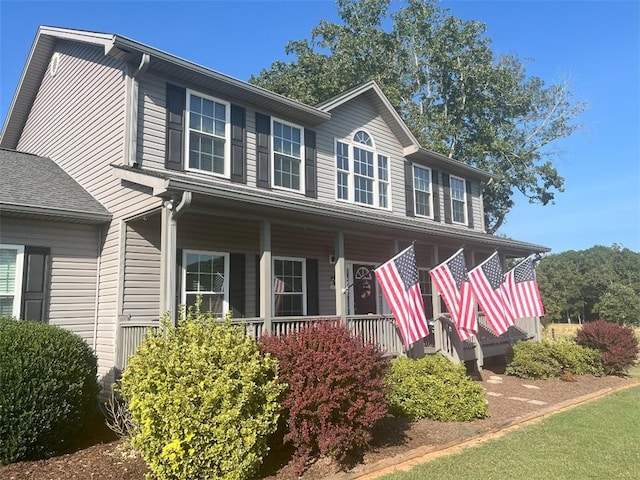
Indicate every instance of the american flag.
{"type": "Point", "coordinates": [452, 281]}
{"type": "Point", "coordinates": [398, 279]}
{"type": "Point", "coordinates": [522, 290]}
{"type": "Point", "coordinates": [487, 285]}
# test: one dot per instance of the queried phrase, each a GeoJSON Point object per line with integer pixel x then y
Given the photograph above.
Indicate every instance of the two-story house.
{"type": "Point", "coordinates": [182, 181]}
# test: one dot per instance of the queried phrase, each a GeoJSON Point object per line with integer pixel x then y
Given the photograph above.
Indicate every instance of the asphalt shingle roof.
{"type": "Point", "coordinates": [37, 185]}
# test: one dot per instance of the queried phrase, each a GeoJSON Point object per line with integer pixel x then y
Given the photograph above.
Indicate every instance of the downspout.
{"type": "Point", "coordinates": [131, 151]}
{"type": "Point", "coordinates": [97, 293]}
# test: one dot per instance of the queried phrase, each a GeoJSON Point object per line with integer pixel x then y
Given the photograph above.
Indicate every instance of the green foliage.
{"type": "Point", "coordinates": [585, 285]}
{"type": "Point", "coordinates": [48, 389]}
{"type": "Point", "coordinates": [336, 389]}
{"type": "Point", "coordinates": [617, 344]}
{"type": "Point", "coordinates": [552, 359]}
{"type": "Point", "coordinates": [458, 97]}
{"type": "Point", "coordinates": [619, 303]}
{"type": "Point", "coordinates": [203, 399]}
{"type": "Point", "coordinates": [433, 387]}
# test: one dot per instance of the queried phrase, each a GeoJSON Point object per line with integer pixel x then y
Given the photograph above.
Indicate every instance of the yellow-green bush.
{"type": "Point", "coordinates": [433, 387]}
{"type": "Point", "coordinates": [552, 359]}
{"type": "Point", "coordinates": [203, 399]}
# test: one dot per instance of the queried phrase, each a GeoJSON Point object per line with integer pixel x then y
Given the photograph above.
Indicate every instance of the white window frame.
{"type": "Point", "coordinates": [430, 192]}
{"type": "Point", "coordinates": [303, 262]}
{"type": "Point", "coordinates": [464, 201]}
{"type": "Point", "coordinates": [19, 269]}
{"type": "Point", "coordinates": [227, 134]}
{"type": "Point", "coordinates": [183, 289]}
{"type": "Point", "coordinates": [351, 146]}
{"type": "Point", "coordinates": [273, 156]}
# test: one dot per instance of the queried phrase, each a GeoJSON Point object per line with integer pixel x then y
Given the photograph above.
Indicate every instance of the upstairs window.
{"type": "Point", "coordinates": [458, 200]}
{"type": "Point", "coordinates": [207, 141]}
{"type": "Point", "coordinates": [362, 174]}
{"type": "Point", "coordinates": [206, 274]}
{"type": "Point", "coordinates": [287, 156]}
{"type": "Point", "coordinates": [422, 191]}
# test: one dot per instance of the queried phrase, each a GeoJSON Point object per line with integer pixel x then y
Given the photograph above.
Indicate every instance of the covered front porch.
{"type": "Point", "coordinates": [276, 270]}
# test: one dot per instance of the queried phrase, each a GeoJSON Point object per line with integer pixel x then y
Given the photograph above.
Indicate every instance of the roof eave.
{"type": "Point", "coordinates": [73, 215]}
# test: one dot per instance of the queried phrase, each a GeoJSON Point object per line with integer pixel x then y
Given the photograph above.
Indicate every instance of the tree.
{"type": "Point", "coordinates": [600, 282]}
{"type": "Point", "coordinates": [620, 303]}
{"type": "Point", "coordinates": [454, 93]}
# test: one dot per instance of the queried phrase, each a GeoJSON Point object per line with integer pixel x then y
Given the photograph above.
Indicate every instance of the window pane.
{"type": "Point", "coordinates": [213, 303]}
{"type": "Point", "coordinates": [383, 196]}
{"type": "Point", "coordinates": [363, 138]}
{"type": "Point", "coordinates": [363, 190]}
{"type": "Point", "coordinates": [8, 271]}
{"type": "Point", "coordinates": [343, 186]}
{"type": "Point", "coordinates": [458, 211]}
{"type": "Point", "coordinates": [6, 306]}
{"type": "Point", "coordinates": [286, 172]}
{"type": "Point", "coordinates": [422, 204]}
{"type": "Point", "coordinates": [382, 168]}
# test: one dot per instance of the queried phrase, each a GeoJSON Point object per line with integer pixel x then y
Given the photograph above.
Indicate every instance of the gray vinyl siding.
{"type": "Point", "coordinates": [141, 273]}
{"type": "Point", "coordinates": [74, 253]}
{"type": "Point", "coordinates": [78, 120]}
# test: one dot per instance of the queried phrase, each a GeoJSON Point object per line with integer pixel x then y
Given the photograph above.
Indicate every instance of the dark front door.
{"type": "Point", "coordinates": [364, 289]}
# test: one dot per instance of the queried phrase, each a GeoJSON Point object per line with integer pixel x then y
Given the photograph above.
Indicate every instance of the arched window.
{"type": "Point", "coordinates": [362, 174]}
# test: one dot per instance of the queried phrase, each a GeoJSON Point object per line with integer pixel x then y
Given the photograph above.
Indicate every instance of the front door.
{"type": "Point", "coordinates": [363, 291]}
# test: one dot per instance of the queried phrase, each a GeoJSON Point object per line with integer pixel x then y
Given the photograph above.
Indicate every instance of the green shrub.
{"type": "Point", "coordinates": [203, 399]}
{"type": "Point", "coordinates": [617, 344]}
{"type": "Point", "coordinates": [552, 359]}
{"type": "Point", "coordinates": [48, 389]}
{"type": "Point", "coordinates": [433, 387]}
{"type": "Point", "coordinates": [336, 390]}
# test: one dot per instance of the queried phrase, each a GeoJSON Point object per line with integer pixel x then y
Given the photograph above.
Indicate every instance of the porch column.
{"type": "Point", "coordinates": [168, 247]}
{"type": "Point", "coordinates": [340, 276]}
{"type": "Point", "coordinates": [266, 276]}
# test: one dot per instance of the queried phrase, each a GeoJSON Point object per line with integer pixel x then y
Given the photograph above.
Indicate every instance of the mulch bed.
{"type": "Point", "coordinates": [509, 398]}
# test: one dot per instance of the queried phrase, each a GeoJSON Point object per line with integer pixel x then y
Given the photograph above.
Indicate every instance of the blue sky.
{"type": "Point", "coordinates": [594, 44]}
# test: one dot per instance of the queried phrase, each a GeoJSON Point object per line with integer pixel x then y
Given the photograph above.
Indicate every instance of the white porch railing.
{"type": "Point", "coordinates": [378, 329]}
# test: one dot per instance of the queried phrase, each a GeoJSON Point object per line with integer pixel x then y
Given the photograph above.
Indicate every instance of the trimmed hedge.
{"type": "Point", "coordinates": [203, 400]}
{"type": "Point", "coordinates": [617, 344]}
{"type": "Point", "coordinates": [433, 387]}
{"type": "Point", "coordinates": [547, 359]}
{"type": "Point", "coordinates": [336, 390]}
{"type": "Point", "coordinates": [48, 389]}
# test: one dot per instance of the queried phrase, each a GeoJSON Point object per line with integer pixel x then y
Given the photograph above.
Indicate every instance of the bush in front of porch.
{"type": "Point", "coordinates": [203, 399]}
{"type": "Point", "coordinates": [434, 387]}
{"type": "Point", "coordinates": [336, 390]}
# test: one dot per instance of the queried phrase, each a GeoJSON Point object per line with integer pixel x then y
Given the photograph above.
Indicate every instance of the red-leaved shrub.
{"type": "Point", "coordinates": [336, 390]}
{"type": "Point", "coordinates": [617, 344]}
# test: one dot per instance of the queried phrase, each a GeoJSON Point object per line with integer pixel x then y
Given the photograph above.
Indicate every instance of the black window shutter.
{"type": "Point", "coordinates": [236, 284]}
{"type": "Point", "coordinates": [238, 145]}
{"type": "Point", "coordinates": [179, 280]}
{"type": "Point", "coordinates": [408, 188]}
{"type": "Point", "coordinates": [436, 194]}
{"type": "Point", "coordinates": [469, 204]}
{"type": "Point", "coordinates": [313, 296]}
{"type": "Point", "coordinates": [310, 164]}
{"type": "Point", "coordinates": [447, 197]}
{"type": "Point", "coordinates": [176, 101]}
{"type": "Point", "coordinates": [35, 284]}
{"type": "Point", "coordinates": [263, 131]}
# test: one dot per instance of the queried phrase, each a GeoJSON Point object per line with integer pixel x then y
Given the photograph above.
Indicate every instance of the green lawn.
{"type": "Point", "coordinates": [600, 440]}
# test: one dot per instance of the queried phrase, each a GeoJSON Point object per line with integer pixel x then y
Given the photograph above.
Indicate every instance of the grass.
{"type": "Point", "coordinates": [567, 331]}
{"type": "Point", "coordinates": [594, 441]}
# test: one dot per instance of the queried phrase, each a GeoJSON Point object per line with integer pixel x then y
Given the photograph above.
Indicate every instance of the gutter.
{"type": "Point", "coordinates": [131, 110]}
